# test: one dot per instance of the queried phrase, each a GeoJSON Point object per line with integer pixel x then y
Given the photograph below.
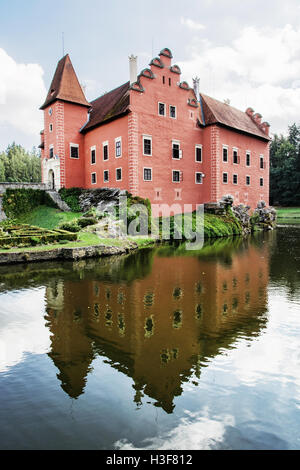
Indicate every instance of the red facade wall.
{"type": "Point", "coordinates": [95, 138]}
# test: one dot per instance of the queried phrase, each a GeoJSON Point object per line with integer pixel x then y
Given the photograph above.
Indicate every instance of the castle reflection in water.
{"type": "Point", "coordinates": [159, 316]}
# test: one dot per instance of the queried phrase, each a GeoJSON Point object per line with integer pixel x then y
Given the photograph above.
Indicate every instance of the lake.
{"type": "Point", "coordinates": [161, 349]}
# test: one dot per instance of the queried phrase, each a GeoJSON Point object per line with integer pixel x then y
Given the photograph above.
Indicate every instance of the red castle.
{"type": "Point", "coordinates": [154, 136]}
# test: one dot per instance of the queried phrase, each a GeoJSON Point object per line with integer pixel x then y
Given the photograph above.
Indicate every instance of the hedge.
{"type": "Point", "coordinates": [17, 202]}
{"type": "Point", "coordinates": [15, 235]}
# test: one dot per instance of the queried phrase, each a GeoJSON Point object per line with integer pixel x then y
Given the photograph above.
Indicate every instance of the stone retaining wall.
{"type": "Point", "coordinates": [65, 253]}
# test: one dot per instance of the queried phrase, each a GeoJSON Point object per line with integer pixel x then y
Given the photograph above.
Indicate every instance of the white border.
{"type": "Point", "coordinates": [237, 179]}
{"type": "Point", "coordinates": [161, 115]}
{"type": "Point", "coordinates": [147, 168]}
{"type": "Point", "coordinates": [248, 176]}
{"type": "Point", "coordinates": [224, 173]}
{"type": "Point", "coordinates": [173, 176]}
{"type": "Point", "coordinates": [91, 149]}
{"type": "Point", "coordinates": [94, 173]}
{"type": "Point", "coordinates": [106, 181]}
{"type": "Point", "coordinates": [198, 173]}
{"type": "Point", "coordinates": [147, 137]}
{"type": "Point", "coordinates": [227, 148]}
{"type": "Point", "coordinates": [74, 145]}
{"type": "Point", "coordinates": [118, 139]}
{"type": "Point", "coordinates": [198, 146]}
{"type": "Point", "coordinates": [103, 145]}
{"type": "Point", "coordinates": [173, 106]}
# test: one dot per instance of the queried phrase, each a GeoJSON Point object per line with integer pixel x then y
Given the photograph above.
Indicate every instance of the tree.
{"type": "Point", "coordinates": [19, 166]}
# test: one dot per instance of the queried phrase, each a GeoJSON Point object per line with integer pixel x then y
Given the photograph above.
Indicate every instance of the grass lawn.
{"type": "Point", "coordinates": [47, 217]}
{"type": "Point", "coordinates": [288, 215]}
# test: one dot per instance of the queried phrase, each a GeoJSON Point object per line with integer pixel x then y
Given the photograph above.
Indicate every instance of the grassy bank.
{"type": "Point", "coordinates": [288, 215]}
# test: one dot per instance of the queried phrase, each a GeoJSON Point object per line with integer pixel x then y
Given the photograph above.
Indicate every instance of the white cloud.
{"type": "Point", "coordinates": [22, 91]}
{"type": "Point", "coordinates": [197, 431]}
{"type": "Point", "coordinates": [260, 68]}
{"type": "Point", "coordinates": [191, 24]}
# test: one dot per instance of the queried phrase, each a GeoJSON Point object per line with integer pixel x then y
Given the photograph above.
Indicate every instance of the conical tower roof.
{"type": "Point", "coordinates": [65, 85]}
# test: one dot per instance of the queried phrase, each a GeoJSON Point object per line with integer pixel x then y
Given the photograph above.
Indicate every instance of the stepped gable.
{"type": "Point", "coordinates": [65, 85]}
{"type": "Point", "coordinates": [216, 112]}
{"type": "Point", "coordinates": [109, 106]}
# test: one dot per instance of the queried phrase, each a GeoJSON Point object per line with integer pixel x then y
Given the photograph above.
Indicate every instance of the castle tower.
{"type": "Point", "coordinates": [65, 112]}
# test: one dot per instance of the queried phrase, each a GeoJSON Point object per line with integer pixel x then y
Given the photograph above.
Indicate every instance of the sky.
{"type": "Point", "coordinates": [246, 51]}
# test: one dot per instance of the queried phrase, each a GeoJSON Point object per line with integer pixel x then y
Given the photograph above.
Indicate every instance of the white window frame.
{"type": "Point", "coordinates": [120, 168]}
{"type": "Point", "coordinates": [77, 146]}
{"type": "Point", "coordinates": [248, 176]}
{"type": "Point", "coordinates": [176, 142]}
{"type": "Point", "coordinates": [118, 139]}
{"type": "Point", "coordinates": [105, 144]}
{"type": "Point", "coordinates": [94, 173]}
{"type": "Point", "coordinates": [226, 148]}
{"type": "Point", "coordinates": [147, 168]}
{"type": "Point", "coordinates": [224, 173]}
{"type": "Point", "coordinates": [172, 106]}
{"type": "Point", "coordinates": [147, 137]}
{"type": "Point", "coordinates": [237, 179]}
{"type": "Point", "coordinates": [262, 158]}
{"type": "Point", "coordinates": [91, 149]}
{"type": "Point", "coordinates": [198, 173]}
{"type": "Point", "coordinates": [162, 115]}
{"type": "Point", "coordinates": [234, 149]}
{"type": "Point", "coordinates": [248, 153]}
{"type": "Point", "coordinates": [198, 146]}
{"type": "Point", "coordinates": [51, 147]}
{"type": "Point", "coordinates": [104, 180]}
{"type": "Point", "coordinates": [177, 182]}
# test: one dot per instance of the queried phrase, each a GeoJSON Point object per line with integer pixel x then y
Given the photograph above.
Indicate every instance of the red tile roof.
{"type": "Point", "coordinates": [109, 106]}
{"type": "Point", "coordinates": [216, 112]}
{"type": "Point", "coordinates": [65, 85]}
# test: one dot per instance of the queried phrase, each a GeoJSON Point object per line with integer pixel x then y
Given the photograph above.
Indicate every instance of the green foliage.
{"type": "Point", "coordinates": [285, 168]}
{"type": "Point", "coordinates": [19, 166]}
{"type": "Point", "coordinates": [71, 226]}
{"type": "Point", "coordinates": [71, 197]}
{"type": "Point", "coordinates": [17, 202]}
{"type": "Point", "coordinates": [85, 221]}
{"type": "Point", "coordinates": [26, 235]}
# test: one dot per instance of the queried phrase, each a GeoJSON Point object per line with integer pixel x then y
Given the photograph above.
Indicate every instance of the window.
{"type": "Point", "coordinates": [51, 151]}
{"type": "Point", "coordinates": [235, 156]}
{"type": "Point", "coordinates": [248, 180]}
{"type": "Point", "coordinates": [105, 150]}
{"type": "Point", "coordinates": [94, 178]}
{"type": "Point", "coordinates": [147, 174]}
{"type": "Point", "coordinates": [225, 177]}
{"type": "Point", "coordinates": [161, 109]}
{"type": "Point", "coordinates": [248, 159]}
{"type": "Point", "coordinates": [170, 82]}
{"type": "Point", "coordinates": [198, 178]}
{"type": "Point", "coordinates": [173, 112]}
{"type": "Point", "coordinates": [50, 127]}
{"type": "Point", "coordinates": [261, 162]}
{"type": "Point", "coordinates": [176, 150]}
{"type": "Point", "coordinates": [164, 79]}
{"type": "Point", "coordinates": [175, 176]}
{"type": "Point", "coordinates": [93, 155]}
{"type": "Point", "coordinates": [119, 174]}
{"type": "Point", "coordinates": [147, 145]}
{"type": "Point", "coordinates": [106, 176]}
{"type": "Point", "coordinates": [198, 153]}
{"type": "Point", "coordinates": [225, 154]}
{"type": "Point", "coordinates": [74, 150]}
{"type": "Point", "coordinates": [118, 147]}
{"type": "Point", "coordinates": [261, 181]}
{"type": "Point", "coordinates": [235, 179]}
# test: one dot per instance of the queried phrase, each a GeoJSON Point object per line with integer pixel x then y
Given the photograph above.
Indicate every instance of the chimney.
{"type": "Point", "coordinates": [133, 68]}
{"type": "Point", "coordinates": [257, 118]}
{"type": "Point", "coordinates": [196, 87]}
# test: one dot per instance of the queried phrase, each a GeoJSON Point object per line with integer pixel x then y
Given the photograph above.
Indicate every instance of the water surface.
{"type": "Point", "coordinates": [162, 349]}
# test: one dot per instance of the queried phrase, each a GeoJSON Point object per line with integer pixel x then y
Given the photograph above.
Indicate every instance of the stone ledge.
{"type": "Point", "coordinates": [62, 253]}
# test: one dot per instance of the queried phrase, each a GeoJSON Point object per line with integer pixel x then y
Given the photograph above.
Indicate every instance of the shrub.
{"type": "Point", "coordinates": [17, 202]}
{"type": "Point", "coordinates": [71, 197]}
{"type": "Point", "coordinates": [71, 226]}
{"type": "Point", "coordinates": [85, 221]}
